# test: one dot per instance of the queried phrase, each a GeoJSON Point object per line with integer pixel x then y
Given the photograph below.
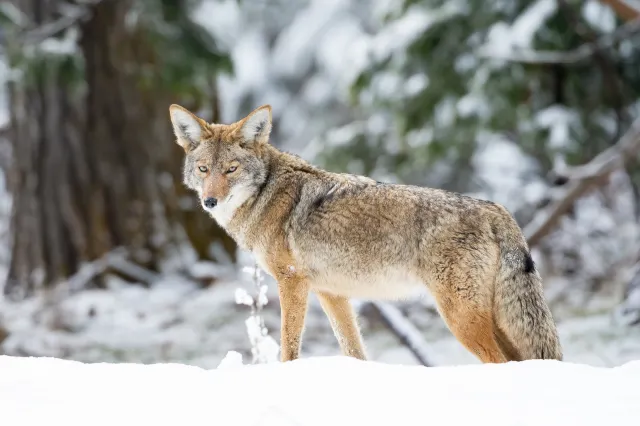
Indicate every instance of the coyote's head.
{"type": "Point", "coordinates": [222, 162]}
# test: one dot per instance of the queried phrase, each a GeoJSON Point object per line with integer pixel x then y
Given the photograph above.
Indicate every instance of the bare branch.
{"type": "Point", "coordinates": [583, 52]}
{"type": "Point", "coordinates": [72, 16]}
{"type": "Point", "coordinates": [626, 9]}
{"type": "Point", "coordinates": [408, 334]}
{"type": "Point", "coordinates": [582, 180]}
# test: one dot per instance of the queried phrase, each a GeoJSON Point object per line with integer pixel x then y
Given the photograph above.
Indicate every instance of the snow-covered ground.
{"type": "Point", "coordinates": [176, 321]}
{"type": "Point", "coordinates": [316, 391]}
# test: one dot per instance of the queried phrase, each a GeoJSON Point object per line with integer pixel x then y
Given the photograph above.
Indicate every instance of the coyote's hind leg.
{"type": "Point", "coordinates": [344, 324]}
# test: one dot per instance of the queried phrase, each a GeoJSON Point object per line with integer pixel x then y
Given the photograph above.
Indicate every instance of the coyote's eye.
{"type": "Point", "coordinates": [232, 169]}
{"type": "Point", "coordinates": [203, 169]}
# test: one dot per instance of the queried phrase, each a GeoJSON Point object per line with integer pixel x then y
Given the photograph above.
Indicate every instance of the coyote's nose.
{"type": "Point", "coordinates": [210, 202]}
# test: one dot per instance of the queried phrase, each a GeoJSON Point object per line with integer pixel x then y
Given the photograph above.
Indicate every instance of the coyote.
{"type": "Point", "coordinates": [345, 236]}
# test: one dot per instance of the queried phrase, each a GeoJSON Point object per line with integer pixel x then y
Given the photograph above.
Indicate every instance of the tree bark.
{"type": "Point", "coordinates": [97, 167]}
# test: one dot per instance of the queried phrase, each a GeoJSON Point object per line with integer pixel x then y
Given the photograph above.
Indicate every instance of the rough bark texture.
{"type": "Point", "coordinates": [96, 168]}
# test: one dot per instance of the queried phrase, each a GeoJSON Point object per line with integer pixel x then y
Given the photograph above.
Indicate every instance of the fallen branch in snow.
{"type": "Point", "coordinates": [130, 269]}
{"type": "Point", "coordinates": [408, 334]}
{"type": "Point", "coordinates": [628, 312]}
{"type": "Point", "coordinates": [53, 296]}
{"type": "Point", "coordinates": [115, 259]}
{"type": "Point", "coordinates": [583, 179]}
{"type": "Point", "coordinates": [581, 53]}
{"type": "Point", "coordinates": [91, 270]}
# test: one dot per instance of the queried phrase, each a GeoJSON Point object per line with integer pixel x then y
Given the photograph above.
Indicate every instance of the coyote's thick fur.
{"type": "Point", "coordinates": [343, 236]}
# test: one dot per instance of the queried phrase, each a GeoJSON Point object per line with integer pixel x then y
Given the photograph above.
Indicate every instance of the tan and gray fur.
{"type": "Point", "coordinates": [343, 236]}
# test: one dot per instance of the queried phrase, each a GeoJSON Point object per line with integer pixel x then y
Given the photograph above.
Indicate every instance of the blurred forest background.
{"type": "Point", "coordinates": [106, 256]}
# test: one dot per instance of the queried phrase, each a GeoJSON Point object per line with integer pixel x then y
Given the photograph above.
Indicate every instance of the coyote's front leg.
{"type": "Point", "coordinates": [294, 293]}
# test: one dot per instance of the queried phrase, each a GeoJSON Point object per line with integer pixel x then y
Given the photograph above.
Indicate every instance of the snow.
{"type": "Point", "coordinates": [222, 18]}
{"type": "Point", "coordinates": [305, 63]}
{"type": "Point", "coordinates": [504, 38]}
{"type": "Point", "coordinates": [67, 45]}
{"type": "Point", "coordinates": [316, 391]}
{"type": "Point", "coordinates": [293, 51]}
{"type": "Point", "coordinates": [599, 15]}
{"type": "Point", "coordinates": [558, 120]}
{"type": "Point", "coordinates": [396, 36]}
{"type": "Point", "coordinates": [473, 104]}
{"type": "Point", "coordinates": [249, 57]}
{"type": "Point", "coordinates": [508, 176]}
{"type": "Point", "coordinates": [528, 23]}
{"type": "Point", "coordinates": [600, 237]}
{"type": "Point", "coordinates": [416, 84]}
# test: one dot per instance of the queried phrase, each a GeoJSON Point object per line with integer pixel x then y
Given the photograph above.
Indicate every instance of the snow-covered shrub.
{"type": "Point", "coordinates": [263, 347]}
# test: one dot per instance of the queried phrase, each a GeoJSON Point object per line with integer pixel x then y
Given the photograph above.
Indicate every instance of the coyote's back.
{"type": "Point", "coordinates": [343, 236]}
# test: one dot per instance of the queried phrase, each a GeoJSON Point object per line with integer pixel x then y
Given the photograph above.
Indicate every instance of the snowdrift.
{"type": "Point", "coordinates": [316, 391]}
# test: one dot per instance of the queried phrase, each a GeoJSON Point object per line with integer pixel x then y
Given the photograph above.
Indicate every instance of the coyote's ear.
{"type": "Point", "coordinates": [256, 127]}
{"type": "Point", "coordinates": [187, 127]}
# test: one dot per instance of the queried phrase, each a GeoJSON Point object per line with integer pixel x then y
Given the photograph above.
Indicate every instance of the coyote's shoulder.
{"type": "Point", "coordinates": [342, 236]}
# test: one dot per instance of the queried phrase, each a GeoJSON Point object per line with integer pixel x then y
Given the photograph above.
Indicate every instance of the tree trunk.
{"type": "Point", "coordinates": [97, 168]}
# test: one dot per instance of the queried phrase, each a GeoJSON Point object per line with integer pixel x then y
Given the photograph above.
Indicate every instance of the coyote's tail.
{"type": "Point", "coordinates": [525, 328]}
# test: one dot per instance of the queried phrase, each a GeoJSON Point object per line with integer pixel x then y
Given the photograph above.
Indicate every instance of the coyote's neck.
{"type": "Point", "coordinates": [225, 211]}
{"type": "Point", "coordinates": [284, 162]}
{"type": "Point", "coordinates": [266, 205]}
